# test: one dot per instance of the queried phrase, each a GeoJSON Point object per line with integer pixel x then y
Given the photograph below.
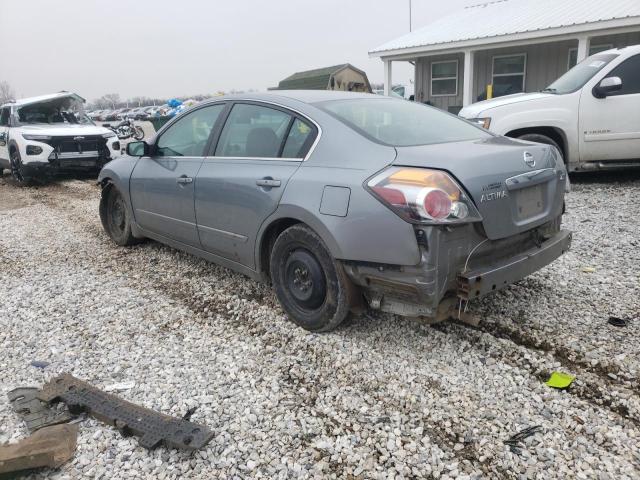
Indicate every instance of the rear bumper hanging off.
{"type": "Point", "coordinates": [479, 282]}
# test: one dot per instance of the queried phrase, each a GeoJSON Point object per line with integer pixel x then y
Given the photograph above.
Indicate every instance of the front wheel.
{"type": "Point", "coordinates": [138, 133]}
{"type": "Point", "coordinates": [17, 169]}
{"type": "Point", "coordinates": [311, 286]}
{"type": "Point", "coordinates": [115, 216]}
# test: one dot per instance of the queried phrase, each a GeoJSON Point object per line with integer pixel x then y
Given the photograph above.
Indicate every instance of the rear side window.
{"type": "Point", "coordinates": [401, 123]}
{"type": "Point", "coordinates": [299, 141]}
{"type": "Point", "coordinates": [188, 137]}
{"type": "Point", "coordinates": [253, 131]}
{"type": "Point", "coordinates": [4, 117]}
{"type": "Point", "coordinates": [629, 73]}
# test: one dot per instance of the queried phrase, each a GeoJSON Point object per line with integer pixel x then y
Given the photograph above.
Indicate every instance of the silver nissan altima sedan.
{"type": "Point", "coordinates": [343, 199]}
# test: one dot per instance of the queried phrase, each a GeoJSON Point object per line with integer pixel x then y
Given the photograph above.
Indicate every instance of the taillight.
{"type": "Point", "coordinates": [421, 195]}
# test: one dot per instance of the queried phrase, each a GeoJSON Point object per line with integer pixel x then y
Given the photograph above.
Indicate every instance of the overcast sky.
{"type": "Point", "coordinates": [165, 48]}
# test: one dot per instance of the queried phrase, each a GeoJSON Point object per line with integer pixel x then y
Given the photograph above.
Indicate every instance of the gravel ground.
{"type": "Point", "coordinates": [381, 397]}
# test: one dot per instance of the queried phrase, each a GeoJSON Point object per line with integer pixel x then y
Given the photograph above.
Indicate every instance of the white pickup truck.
{"type": "Point", "coordinates": [591, 113]}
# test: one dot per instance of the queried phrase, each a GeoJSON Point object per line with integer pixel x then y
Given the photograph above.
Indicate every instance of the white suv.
{"type": "Point", "coordinates": [591, 113]}
{"type": "Point", "coordinates": [42, 136]}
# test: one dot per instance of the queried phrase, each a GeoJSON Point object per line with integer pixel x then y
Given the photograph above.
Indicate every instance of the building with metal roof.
{"type": "Point", "coordinates": [344, 77]}
{"type": "Point", "coordinates": [507, 46]}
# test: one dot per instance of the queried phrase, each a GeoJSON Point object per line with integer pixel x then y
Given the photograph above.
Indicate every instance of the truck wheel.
{"type": "Point", "coordinates": [17, 169]}
{"type": "Point", "coordinates": [539, 138]}
{"type": "Point", "coordinates": [310, 285]}
{"type": "Point", "coordinates": [115, 217]}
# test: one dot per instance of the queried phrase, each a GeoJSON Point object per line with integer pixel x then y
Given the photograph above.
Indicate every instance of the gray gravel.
{"type": "Point", "coordinates": [381, 397]}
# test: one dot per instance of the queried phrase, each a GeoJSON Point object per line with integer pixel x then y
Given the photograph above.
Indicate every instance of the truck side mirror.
{"type": "Point", "coordinates": [607, 86]}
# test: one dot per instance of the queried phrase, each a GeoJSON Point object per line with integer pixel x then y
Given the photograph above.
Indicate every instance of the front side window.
{"type": "Point", "coordinates": [253, 131]}
{"type": "Point", "coordinates": [444, 78]}
{"type": "Point", "coordinates": [579, 75]}
{"type": "Point", "coordinates": [508, 74]}
{"type": "Point", "coordinates": [629, 73]}
{"type": "Point", "coordinates": [189, 135]}
{"type": "Point", "coordinates": [400, 123]}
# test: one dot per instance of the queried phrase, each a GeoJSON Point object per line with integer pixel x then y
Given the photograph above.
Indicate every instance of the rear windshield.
{"type": "Point", "coordinates": [401, 123]}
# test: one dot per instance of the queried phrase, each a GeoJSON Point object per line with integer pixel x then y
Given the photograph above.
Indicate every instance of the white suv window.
{"type": "Point", "coordinates": [4, 117]}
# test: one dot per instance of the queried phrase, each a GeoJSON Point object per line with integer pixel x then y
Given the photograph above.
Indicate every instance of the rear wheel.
{"type": "Point", "coordinates": [17, 168]}
{"type": "Point", "coordinates": [138, 133]}
{"type": "Point", "coordinates": [115, 217]}
{"type": "Point", "coordinates": [540, 138]}
{"type": "Point", "coordinates": [311, 286]}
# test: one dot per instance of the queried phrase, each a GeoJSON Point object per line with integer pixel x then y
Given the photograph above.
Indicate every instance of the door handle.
{"type": "Point", "coordinates": [268, 182]}
{"type": "Point", "coordinates": [183, 180]}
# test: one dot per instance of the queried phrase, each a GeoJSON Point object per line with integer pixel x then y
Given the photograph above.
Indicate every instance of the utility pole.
{"type": "Point", "coordinates": [409, 15]}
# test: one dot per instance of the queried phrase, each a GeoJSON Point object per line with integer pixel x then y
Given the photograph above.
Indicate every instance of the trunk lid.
{"type": "Point", "coordinates": [515, 185]}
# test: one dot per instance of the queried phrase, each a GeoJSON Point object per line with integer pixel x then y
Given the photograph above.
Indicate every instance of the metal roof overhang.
{"type": "Point", "coordinates": [517, 39]}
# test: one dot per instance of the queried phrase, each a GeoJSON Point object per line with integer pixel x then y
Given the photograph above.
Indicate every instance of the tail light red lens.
{"type": "Point", "coordinates": [436, 203]}
{"type": "Point", "coordinates": [421, 195]}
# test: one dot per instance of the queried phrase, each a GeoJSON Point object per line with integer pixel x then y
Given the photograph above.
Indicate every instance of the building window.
{"type": "Point", "coordinates": [508, 74]}
{"type": "Point", "coordinates": [573, 53]}
{"type": "Point", "coordinates": [444, 78]}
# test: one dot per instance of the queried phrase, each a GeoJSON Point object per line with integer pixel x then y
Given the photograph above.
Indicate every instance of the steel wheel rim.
{"type": "Point", "coordinates": [304, 279]}
{"type": "Point", "coordinates": [117, 215]}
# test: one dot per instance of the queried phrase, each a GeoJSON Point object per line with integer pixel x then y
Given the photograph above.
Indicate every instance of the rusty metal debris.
{"type": "Point", "coordinates": [153, 428]}
{"type": "Point", "coordinates": [48, 447]}
{"type": "Point", "coordinates": [36, 413]}
{"type": "Point", "coordinates": [515, 442]}
{"type": "Point", "coordinates": [618, 322]}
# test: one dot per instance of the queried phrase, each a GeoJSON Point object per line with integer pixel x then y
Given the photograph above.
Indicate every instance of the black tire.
{"type": "Point", "coordinates": [540, 138]}
{"type": "Point", "coordinates": [17, 169]}
{"type": "Point", "coordinates": [311, 286]}
{"type": "Point", "coordinates": [138, 133]}
{"type": "Point", "coordinates": [115, 217]}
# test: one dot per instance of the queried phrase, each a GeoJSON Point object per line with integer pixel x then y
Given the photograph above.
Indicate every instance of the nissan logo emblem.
{"type": "Point", "coordinates": [529, 160]}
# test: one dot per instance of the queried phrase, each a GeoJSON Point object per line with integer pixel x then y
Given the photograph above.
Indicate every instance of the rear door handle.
{"type": "Point", "coordinates": [268, 182]}
{"type": "Point", "coordinates": [184, 180]}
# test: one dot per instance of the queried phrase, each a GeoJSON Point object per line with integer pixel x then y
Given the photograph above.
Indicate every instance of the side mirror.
{"type": "Point", "coordinates": [138, 149]}
{"type": "Point", "coordinates": [607, 86]}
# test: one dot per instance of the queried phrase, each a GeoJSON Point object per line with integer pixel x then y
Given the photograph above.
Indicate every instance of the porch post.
{"type": "Point", "coordinates": [583, 47]}
{"type": "Point", "coordinates": [468, 73]}
{"type": "Point", "coordinates": [387, 77]}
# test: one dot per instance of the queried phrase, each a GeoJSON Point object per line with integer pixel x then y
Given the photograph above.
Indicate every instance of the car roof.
{"type": "Point", "coordinates": [45, 98]}
{"type": "Point", "coordinates": [305, 96]}
{"type": "Point", "coordinates": [629, 50]}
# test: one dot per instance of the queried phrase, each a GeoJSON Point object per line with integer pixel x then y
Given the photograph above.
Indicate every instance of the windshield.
{"type": "Point", "coordinates": [576, 78]}
{"type": "Point", "coordinates": [56, 112]}
{"type": "Point", "coordinates": [401, 123]}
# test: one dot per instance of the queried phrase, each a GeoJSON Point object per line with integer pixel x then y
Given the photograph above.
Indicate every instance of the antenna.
{"type": "Point", "coordinates": [409, 15]}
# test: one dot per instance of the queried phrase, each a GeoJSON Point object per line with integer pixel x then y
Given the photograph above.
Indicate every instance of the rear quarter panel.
{"type": "Point", "coordinates": [369, 231]}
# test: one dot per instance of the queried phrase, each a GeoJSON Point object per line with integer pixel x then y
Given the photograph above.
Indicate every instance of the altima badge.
{"type": "Point", "coordinates": [487, 197]}
{"type": "Point", "coordinates": [529, 160]}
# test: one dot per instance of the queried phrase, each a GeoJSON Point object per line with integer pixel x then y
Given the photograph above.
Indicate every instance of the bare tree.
{"type": "Point", "coordinates": [6, 92]}
{"type": "Point", "coordinates": [112, 99]}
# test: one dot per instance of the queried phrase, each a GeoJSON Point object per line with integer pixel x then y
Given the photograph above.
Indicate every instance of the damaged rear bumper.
{"type": "Point", "coordinates": [454, 263]}
{"type": "Point", "coordinates": [481, 281]}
